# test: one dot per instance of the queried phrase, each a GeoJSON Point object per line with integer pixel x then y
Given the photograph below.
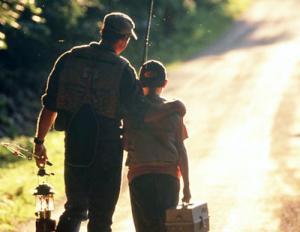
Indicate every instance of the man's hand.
{"type": "Point", "coordinates": [160, 111]}
{"type": "Point", "coordinates": [179, 107]}
{"type": "Point", "coordinates": [40, 155]}
{"type": "Point", "coordinates": [186, 195]}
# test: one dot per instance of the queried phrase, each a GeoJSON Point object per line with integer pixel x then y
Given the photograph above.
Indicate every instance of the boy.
{"type": "Point", "coordinates": [156, 157]}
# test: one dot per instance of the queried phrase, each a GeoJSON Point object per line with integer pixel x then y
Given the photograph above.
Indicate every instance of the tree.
{"type": "Point", "coordinates": [10, 12]}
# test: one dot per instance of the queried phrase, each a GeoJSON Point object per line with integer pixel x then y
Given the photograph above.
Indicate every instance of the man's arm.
{"type": "Point", "coordinates": [48, 113]}
{"type": "Point", "coordinates": [135, 105]}
{"type": "Point", "coordinates": [45, 121]}
{"type": "Point", "coordinates": [157, 112]}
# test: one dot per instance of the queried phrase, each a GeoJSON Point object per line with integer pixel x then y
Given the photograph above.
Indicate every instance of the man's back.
{"type": "Point", "coordinates": [90, 75]}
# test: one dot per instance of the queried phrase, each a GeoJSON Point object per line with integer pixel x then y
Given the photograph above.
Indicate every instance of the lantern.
{"type": "Point", "coordinates": [44, 198]}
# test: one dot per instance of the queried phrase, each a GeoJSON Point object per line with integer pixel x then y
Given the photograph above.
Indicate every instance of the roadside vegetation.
{"type": "Point", "coordinates": [33, 34]}
{"type": "Point", "coordinates": [18, 178]}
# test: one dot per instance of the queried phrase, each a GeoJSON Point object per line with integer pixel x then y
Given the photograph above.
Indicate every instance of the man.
{"type": "Point", "coordinates": [156, 157]}
{"type": "Point", "coordinates": [89, 90]}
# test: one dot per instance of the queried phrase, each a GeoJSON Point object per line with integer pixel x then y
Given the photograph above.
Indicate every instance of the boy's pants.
{"type": "Point", "coordinates": [151, 195]}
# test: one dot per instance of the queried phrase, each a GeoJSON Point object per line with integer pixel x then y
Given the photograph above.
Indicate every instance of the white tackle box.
{"type": "Point", "coordinates": [188, 218]}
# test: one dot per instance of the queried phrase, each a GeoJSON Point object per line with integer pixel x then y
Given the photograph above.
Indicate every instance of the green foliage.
{"type": "Point", "coordinates": [6, 157]}
{"type": "Point", "coordinates": [18, 180]}
{"type": "Point", "coordinates": [10, 12]}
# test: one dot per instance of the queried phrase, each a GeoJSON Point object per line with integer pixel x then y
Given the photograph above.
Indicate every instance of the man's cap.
{"type": "Point", "coordinates": [119, 23]}
{"type": "Point", "coordinates": [153, 74]}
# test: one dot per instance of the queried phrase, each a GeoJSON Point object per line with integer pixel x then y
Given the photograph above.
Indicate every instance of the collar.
{"type": "Point", "coordinates": [102, 45]}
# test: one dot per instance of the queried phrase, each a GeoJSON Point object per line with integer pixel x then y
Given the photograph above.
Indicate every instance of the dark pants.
{"type": "Point", "coordinates": [92, 191]}
{"type": "Point", "coordinates": [150, 196]}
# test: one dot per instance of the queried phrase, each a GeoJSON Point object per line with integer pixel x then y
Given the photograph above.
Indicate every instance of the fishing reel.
{"type": "Point", "coordinates": [21, 152]}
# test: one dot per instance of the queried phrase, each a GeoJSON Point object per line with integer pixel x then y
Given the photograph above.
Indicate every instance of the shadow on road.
{"type": "Point", "coordinates": [286, 155]}
{"type": "Point", "coordinates": [244, 37]}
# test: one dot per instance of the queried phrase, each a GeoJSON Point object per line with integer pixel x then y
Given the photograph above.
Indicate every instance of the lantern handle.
{"type": "Point", "coordinates": [42, 172]}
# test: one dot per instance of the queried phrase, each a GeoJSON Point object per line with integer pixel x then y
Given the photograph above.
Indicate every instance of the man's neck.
{"type": "Point", "coordinates": [107, 46]}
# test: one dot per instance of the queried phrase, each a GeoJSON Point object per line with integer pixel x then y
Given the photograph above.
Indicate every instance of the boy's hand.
{"type": "Point", "coordinates": [186, 195]}
{"type": "Point", "coordinates": [40, 155]}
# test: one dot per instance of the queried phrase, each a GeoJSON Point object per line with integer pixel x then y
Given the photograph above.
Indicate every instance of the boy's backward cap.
{"type": "Point", "coordinates": [153, 74]}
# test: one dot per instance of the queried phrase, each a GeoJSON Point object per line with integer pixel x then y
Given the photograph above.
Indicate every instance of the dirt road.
{"type": "Point", "coordinates": [242, 96]}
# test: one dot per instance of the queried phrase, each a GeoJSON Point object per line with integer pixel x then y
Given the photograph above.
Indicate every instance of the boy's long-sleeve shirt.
{"type": "Point", "coordinates": [153, 147]}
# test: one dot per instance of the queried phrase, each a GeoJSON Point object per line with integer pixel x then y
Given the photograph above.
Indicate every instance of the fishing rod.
{"type": "Point", "coordinates": [21, 152]}
{"type": "Point", "coordinates": [147, 35]}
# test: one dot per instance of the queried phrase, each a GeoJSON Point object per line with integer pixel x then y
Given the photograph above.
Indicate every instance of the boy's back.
{"type": "Point", "coordinates": [154, 143]}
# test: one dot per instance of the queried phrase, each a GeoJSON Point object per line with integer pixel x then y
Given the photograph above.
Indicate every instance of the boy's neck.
{"type": "Point", "coordinates": [152, 92]}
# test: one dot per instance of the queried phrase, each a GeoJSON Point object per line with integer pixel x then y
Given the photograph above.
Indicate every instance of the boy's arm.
{"type": "Point", "coordinates": [183, 161]}
{"type": "Point", "coordinates": [184, 168]}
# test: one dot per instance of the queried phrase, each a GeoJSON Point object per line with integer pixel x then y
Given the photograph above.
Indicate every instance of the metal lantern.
{"type": "Point", "coordinates": [44, 198]}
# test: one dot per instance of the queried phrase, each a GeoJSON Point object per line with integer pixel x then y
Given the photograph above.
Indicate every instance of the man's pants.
{"type": "Point", "coordinates": [92, 192]}
{"type": "Point", "coordinates": [151, 195]}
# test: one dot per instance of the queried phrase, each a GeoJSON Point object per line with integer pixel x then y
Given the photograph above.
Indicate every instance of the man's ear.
{"type": "Point", "coordinates": [165, 83]}
{"type": "Point", "coordinates": [124, 42]}
{"type": "Point", "coordinates": [121, 43]}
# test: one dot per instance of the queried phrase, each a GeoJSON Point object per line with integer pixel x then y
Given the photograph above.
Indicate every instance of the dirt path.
{"type": "Point", "coordinates": [242, 95]}
{"type": "Point", "coordinates": [244, 123]}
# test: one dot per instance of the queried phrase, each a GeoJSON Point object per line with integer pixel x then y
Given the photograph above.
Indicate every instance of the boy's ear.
{"type": "Point", "coordinates": [165, 83]}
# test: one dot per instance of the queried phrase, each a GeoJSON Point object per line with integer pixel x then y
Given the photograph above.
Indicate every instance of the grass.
{"type": "Point", "coordinates": [18, 177]}
{"type": "Point", "coordinates": [235, 7]}
{"type": "Point", "coordinates": [18, 180]}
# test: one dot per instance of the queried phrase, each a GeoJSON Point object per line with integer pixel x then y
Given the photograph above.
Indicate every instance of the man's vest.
{"type": "Point", "coordinates": [90, 75]}
{"type": "Point", "coordinates": [153, 143]}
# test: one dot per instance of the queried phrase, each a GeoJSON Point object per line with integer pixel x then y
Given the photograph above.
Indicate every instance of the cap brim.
{"type": "Point", "coordinates": [133, 34]}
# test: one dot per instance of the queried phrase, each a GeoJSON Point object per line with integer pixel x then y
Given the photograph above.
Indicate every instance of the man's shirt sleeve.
{"type": "Point", "coordinates": [50, 96]}
{"type": "Point", "coordinates": [133, 103]}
